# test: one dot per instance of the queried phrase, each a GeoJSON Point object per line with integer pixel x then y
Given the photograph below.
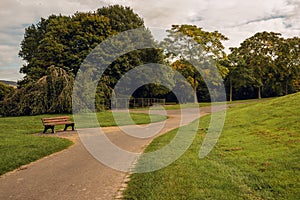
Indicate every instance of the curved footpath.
{"type": "Point", "coordinates": [74, 174]}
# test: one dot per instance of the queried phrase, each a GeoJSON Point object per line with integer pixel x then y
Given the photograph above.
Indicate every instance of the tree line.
{"type": "Point", "coordinates": [264, 65]}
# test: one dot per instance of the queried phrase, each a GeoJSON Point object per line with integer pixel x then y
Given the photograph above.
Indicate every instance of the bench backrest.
{"type": "Point", "coordinates": [54, 120]}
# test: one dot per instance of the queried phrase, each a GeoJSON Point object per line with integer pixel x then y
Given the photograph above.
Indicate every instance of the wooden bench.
{"type": "Point", "coordinates": [51, 122]}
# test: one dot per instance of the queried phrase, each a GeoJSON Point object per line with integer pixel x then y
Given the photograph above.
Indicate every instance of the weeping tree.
{"type": "Point", "coordinates": [50, 94]}
{"type": "Point", "coordinates": [5, 90]}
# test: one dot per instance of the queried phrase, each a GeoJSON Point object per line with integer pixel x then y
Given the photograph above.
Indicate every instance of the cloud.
{"type": "Point", "coordinates": [236, 19]}
{"type": "Point", "coordinates": [16, 15]}
{"type": "Point", "coordinates": [293, 19]}
{"type": "Point", "coordinates": [9, 74]}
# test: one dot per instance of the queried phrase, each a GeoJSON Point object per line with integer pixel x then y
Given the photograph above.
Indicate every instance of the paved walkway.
{"type": "Point", "coordinates": [73, 173]}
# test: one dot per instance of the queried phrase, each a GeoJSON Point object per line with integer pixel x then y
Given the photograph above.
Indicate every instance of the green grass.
{"type": "Point", "coordinates": [256, 157]}
{"type": "Point", "coordinates": [19, 147]}
{"type": "Point", "coordinates": [204, 104]}
{"type": "Point", "coordinates": [107, 119]}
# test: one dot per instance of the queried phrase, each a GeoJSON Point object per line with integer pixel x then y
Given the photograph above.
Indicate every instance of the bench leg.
{"type": "Point", "coordinates": [47, 127]}
{"type": "Point", "coordinates": [67, 125]}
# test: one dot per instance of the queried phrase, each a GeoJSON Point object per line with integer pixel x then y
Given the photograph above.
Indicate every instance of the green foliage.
{"type": "Point", "coordinates": [61, 41]}
{"type": "Point", "coordinates": [5, 90]}
{"type": "Point", "coordinates": [256, 157]}
{"type": "Point", "coordinates": [259, 53]}
{"type": "Point", "coordinates": [50, 94]}
{"type": "Point", "coordinates": [211, 42]}
{"type": "Point", "coordinates": [266, 62]}
{"type": "Point", "coordinates": [65, 41]}
{"type": "Point", "coordinates": [121, 18]}
{"type": "Point", "coordinates": [288, 63]}
{"type": "Point", "coordinates": [191, 46]}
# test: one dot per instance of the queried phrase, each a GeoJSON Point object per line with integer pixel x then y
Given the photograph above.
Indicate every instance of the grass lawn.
{"type": "Point", "coordinates": [203, 104]}
{"type": "Point", "coordinates": [256, 157]}
{"type": "Point", "coordinates": [19, 147]}
{"type": "Point", "coordinates": [106, 118]}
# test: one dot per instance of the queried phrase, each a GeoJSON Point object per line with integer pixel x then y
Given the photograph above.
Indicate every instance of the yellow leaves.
{"type": "Point", "coordinates": [177, 65]}
{"type": "Point", "coordinates": [296, 84]}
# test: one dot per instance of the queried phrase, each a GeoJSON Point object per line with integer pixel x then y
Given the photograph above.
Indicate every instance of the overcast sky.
{"type": "Point", "coordinates": [237, 19]}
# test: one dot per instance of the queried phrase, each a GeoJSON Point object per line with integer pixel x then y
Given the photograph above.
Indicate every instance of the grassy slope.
{"type": "Point", "coordinates": [19, 147]}
{"type": "Point", "coordinates": [257, 157]}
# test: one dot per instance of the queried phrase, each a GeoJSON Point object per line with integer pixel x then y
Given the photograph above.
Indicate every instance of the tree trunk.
{"type": "Point", "coordinates": [286, 88]}
{"type": "Point", "coordinates": [259, 92]}
{"type": "Point", "coordinates": [195, 90]}
{"type": "Point", "coordinates": [195, 95]}
{"type": "Point", "coordinates": [230, 92]}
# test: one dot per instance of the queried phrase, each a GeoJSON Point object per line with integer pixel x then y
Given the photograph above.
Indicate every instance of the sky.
{"type": "Point", "coordinates": [237, 19]}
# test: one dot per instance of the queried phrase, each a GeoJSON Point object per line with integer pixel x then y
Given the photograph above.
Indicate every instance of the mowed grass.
{"type": "Point", "coordinates": [204, 104]}
{"type": "Point", "coordinates": [106, 119]}
{"type": "Point", "coordinates": [19, 147]}
{"type": "Point", "coordinates": [256, 157]}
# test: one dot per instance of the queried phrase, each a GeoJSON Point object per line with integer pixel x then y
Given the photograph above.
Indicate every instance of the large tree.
{"type": "Point", "coordinates": [288, 63]}
{"type": "Point", "coordinates": [61, 41]}
{"type": "Point", "coordinates": [65, 41]}
{"type": "Point", "coordinates": [267, 62]}
{"type": "Point", "coordinates": [259, 54]}
{"type": "Point", "coordinates": [239, 74]}
{"type": "Point", "coordinates": [189, 44]}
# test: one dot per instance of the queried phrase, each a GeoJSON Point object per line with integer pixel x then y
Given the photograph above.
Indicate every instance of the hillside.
{"type": "Point", "coordinates": [10, 83]}
{"type": "Point", "coordinates": [257, 157]}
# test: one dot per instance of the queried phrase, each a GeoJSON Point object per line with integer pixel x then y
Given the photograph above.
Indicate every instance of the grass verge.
{"type": "Point", "coordinates": [257, 157]}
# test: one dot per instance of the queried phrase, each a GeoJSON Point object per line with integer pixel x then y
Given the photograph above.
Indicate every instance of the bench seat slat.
{"type": "Point", "coordinates": [57, 117]}
{"type": "Point", "coordinates": [58, 123]}
{"type": "Point", "coordinates": [56, 120]}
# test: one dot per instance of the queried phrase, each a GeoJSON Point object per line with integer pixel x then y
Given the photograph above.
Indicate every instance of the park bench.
{"type": "Point", "coordinates": [49, 123]}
